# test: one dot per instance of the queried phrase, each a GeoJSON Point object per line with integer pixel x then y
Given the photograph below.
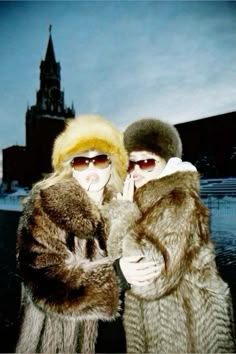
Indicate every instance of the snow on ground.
{"type": "Point", "coordinates": [12, 201]}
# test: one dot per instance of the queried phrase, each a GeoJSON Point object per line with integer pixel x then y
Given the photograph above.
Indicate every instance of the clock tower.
{"type": "Point", "coordinates": [46, 119]}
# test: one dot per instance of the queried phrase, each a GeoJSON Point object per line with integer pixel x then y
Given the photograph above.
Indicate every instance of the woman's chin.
{"type": "Point", "coordinates": [139, 182]}
{"type": "Point", "coordinates": [95, 187]}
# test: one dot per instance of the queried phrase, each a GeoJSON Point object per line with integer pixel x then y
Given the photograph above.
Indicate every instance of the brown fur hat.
{"type": "Point", "coordinates": [155, 136]}
{"type": "Point", "coordinates": [90, 132]}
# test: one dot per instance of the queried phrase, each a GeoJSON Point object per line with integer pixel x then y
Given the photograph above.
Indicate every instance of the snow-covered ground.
{"type": "Point", "coordinates": [219, 195]}
{"type": "Point", "coordinates": [12, 201]}
{"type": "Point", "coordinates": [223, 222]}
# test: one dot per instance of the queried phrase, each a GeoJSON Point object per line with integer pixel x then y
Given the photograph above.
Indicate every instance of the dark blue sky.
{"type": "Point", "coordinates": [122, 59]}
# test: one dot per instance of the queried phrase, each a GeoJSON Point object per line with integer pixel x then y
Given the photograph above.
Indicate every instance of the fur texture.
{"type": "Point", "coordinates": [90, 132]}
{"type": "Point", "coordinates": [60, 232]}
{"type": "Point", "coordinates": [188, 308]}
{"type": "Point", "coordinates": [155, 136]}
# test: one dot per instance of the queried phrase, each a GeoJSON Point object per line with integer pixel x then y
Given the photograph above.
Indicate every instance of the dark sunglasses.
{"type": "Point", "coordinates": [146, 165]}
{"type": "Point", "coordinates": [80, 163]}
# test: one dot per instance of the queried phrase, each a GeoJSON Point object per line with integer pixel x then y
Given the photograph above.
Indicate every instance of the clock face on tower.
{"type": "Point", "coordinates": [54, 93]}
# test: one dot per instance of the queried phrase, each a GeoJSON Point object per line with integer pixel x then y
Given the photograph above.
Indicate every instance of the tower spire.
{"type": "Point", "coordinates": [50, 55]}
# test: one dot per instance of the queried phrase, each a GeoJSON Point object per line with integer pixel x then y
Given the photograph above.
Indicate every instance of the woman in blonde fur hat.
{"type": "Point", "coordinates": [160, 217]}
{"type": "Point", "coordinates": [68, 281]}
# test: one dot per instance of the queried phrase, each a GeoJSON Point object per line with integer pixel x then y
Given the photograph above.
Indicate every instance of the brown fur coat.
{"type": "Point", "coordinates": [188, 308]}
{"type": "Point", "coordinates": [69, 283]}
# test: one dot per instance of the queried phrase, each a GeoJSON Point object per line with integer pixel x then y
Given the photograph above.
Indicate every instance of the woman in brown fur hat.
{"type": "Point", "coordinates": [187, 308]}
{"type": "Point", "coordinates": [69, 282]}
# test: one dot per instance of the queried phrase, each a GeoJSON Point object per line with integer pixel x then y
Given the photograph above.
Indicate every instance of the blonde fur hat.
{"type": "Point", "coordinates": [90, 132]}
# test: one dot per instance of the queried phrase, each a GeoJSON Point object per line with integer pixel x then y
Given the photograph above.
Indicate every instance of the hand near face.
{"type": "Point", "coordinates": [128, 189]}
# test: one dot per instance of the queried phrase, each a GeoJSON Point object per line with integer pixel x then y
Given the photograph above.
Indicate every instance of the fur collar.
{"type": "Point", "coordinates": [147, 195]}
{"type": "Point", "coordinates": [68, 204]}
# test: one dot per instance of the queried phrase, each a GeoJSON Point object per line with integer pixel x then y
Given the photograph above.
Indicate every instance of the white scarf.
{"type": "Point", "coordinates": [175, 164]}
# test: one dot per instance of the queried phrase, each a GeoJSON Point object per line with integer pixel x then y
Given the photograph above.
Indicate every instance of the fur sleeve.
{"type": "Point", "coordinates": [171, 233]}
{"type": "Point", "coordinates": [121, 216]}
{"type": "Point", "coordinates": [61, 279]}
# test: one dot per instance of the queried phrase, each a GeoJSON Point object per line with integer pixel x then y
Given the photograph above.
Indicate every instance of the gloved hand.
{"type": "Point", "coordinates": [128, 189]}
{"type": "Point", "coordinates": [138, 271]}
